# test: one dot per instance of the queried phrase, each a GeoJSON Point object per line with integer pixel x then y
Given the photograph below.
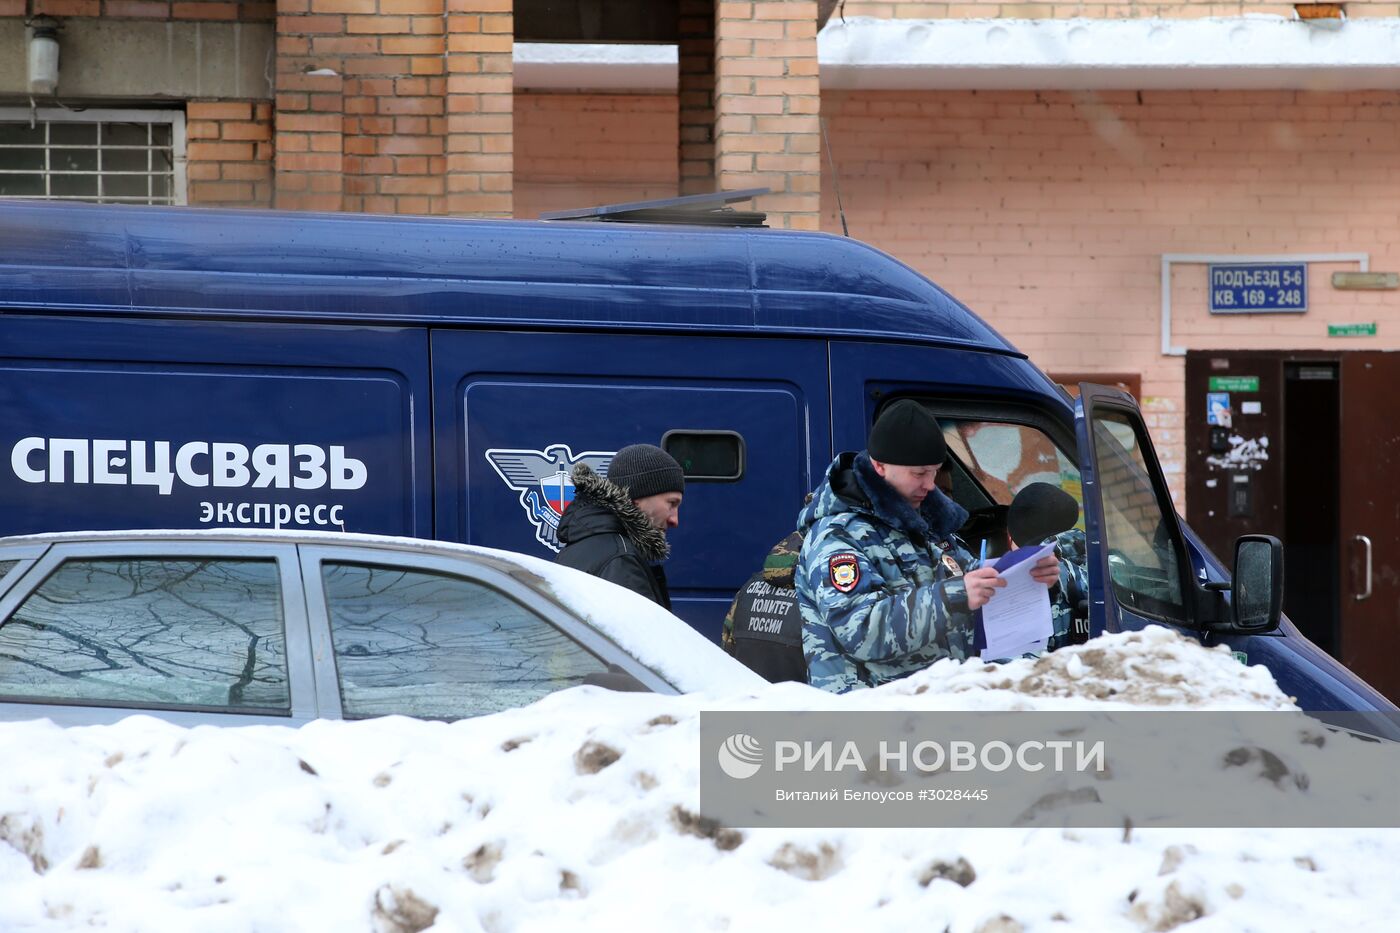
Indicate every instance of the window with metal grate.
{"type": "Point", "coordinates": [109, 156]}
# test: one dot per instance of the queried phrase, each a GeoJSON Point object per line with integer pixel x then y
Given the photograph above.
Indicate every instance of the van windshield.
{"type": "Point", "coordinates": [1001, 458]}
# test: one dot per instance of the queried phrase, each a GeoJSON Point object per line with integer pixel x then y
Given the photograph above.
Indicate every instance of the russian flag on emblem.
{"type": "Point", "coordinates": [558, 491]}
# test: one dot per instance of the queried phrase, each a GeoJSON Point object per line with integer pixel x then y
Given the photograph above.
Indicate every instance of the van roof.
{"type": "Point", "coordinates": [283, 265]}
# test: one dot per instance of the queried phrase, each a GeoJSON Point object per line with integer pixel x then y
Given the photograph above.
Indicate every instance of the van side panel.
{"type": "Point", "coordinates": [512, 411]}
{"type": "Point", "coordinates": [171, 424]}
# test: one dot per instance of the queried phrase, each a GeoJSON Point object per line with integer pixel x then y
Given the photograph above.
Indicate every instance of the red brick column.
{"type": "Point", "coordinates": [229, 153]}
{"type": "Point", "coordinates": [360, 93]}
{"type": "Point", "coordinates": [307, 112]}
{"type": "Point", "coordinates": [767, 106]}
{"type": "Point", "coordinates": [394, 109]}
{"type": "Point", "coordinates": [696, 93]}
{"type": "Point", "coordinates": [480, 137]}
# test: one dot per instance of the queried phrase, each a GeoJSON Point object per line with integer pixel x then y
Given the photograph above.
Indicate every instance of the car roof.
{"type": "Point", "coordinates": [504, 561]}
{"type": "Point", "coordinates": [393, 270]}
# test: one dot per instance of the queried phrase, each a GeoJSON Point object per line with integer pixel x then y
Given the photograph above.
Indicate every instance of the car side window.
{"type": "Point", "coordinates": [147, 632]}
{"type": "Point", "coordinates": [436, 646]}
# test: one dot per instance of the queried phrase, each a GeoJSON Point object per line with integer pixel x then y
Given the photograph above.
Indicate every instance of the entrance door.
{"type": "Point", "coordinates": [1306, 450]}
{"type": "Point", "coordinates": [1370, 519]}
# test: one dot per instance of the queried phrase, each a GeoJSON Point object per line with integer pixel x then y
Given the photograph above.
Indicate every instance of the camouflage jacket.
{"type": "Point", "coordinates": [1065, 603]}
{"type": "Point", "coordinates": [879, 584]}
{"type": "Point", "coordinates": [1072, 593]}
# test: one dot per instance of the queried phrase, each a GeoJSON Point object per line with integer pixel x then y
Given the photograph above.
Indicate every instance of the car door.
{"type": "Point", "coordinates": [192, 632]}
{"type": "Point", "coordinates": [444, 637]}
{"type": "Point", "coordinates": [1147, 574]}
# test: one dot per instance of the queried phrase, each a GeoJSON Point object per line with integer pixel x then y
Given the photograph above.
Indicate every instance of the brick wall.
{"type": "Point", "coordinates": [1123, 9]}
{"type": "Point", "coordinates": [577, 150]}
{"type": "Point", "coordinates": [1048, 214]}
{"type": "Point", "coordinates": [767, 102]}
{"type": "Point", "coordinates": [395, 106]}
{"type": "Point", "coordinates": [229, 153]}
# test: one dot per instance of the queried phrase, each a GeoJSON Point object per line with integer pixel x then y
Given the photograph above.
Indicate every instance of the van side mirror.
{"type": "Point", "coordinates": [1257, 590]}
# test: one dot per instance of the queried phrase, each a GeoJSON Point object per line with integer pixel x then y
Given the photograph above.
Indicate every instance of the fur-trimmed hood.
{"type": "Point", "coordinates": [602, 507]}
{"type": "Point", "coordinates": [852, 485]}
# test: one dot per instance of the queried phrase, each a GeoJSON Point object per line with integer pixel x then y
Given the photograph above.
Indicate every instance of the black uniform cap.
{"type": "Point", "coordinates": [906, 434]}
{"type": "Point", "coordinates": [1040, 511]}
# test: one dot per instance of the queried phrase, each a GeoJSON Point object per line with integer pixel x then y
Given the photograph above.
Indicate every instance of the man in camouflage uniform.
{"type": "Point", "coordinates": [884, 585]}
{"type": "Point", "coordinates": [763, 628]}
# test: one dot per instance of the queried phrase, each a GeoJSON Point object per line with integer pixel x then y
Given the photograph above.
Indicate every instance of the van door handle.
{"type": "Point", "coordinates": [1365, 594]}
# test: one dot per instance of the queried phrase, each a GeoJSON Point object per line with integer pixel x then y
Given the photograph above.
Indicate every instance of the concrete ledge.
{"type": "Point", "coordinates": [132, 59]}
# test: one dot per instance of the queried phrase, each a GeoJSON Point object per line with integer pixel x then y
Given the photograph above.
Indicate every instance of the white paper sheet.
{"type": "Point", "coordinates": [1017, 617]}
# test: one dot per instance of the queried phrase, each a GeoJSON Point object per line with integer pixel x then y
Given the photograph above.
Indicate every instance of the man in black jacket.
{"type": "Point", "coordinates": [616, 526]}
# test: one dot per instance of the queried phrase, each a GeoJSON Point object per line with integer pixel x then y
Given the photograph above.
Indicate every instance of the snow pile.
{"type": "Point", "coordinates": [1151, 669]}
{"type": "Point", "coordinates": [579, 813]}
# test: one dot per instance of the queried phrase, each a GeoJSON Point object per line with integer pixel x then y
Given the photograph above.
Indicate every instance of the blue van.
{"type": "Point", "coordinates": [438, 378]}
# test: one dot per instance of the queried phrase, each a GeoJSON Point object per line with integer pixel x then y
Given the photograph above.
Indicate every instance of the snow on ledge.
{"type": "Point", "coordinates": [1213, 53]}
{"type": "Point", "coordinates": [1246, 52]}
{"type": "Point", "coordinates": [596, 65]}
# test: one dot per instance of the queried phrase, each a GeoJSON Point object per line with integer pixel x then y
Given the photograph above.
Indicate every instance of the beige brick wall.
{"type": "Point", "coordinates": [767, 103]}
{"type": "Point", "coordinates": [992, 9]}
{"type": "Point", "coordinates": [580, 150]}
{"type": "Point", "coordinates": [1048, 214]}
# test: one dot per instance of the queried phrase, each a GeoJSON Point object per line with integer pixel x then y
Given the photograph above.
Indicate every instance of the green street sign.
{"type": "Point", "coordinates": [1234, 383]}
{"type": "Point", "coordinates": [1352, 330]}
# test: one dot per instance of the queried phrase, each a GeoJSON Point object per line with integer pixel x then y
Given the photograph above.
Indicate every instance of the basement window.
{"type": "Point", "coordinates": [108, 156]}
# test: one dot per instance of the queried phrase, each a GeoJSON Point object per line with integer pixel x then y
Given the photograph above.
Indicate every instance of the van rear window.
{"type": "Point", "coordinates": [707, 456]}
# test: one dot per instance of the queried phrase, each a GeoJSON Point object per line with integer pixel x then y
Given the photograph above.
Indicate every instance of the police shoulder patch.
{"type": "Point", "coordinates": [845, 572]}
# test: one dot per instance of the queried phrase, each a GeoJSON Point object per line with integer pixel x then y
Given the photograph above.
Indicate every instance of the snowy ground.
{"type": "Point", "coordinates": [577, 813]}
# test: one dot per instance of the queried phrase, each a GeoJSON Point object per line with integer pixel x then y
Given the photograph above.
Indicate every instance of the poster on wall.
{"type": "Point", "coordinates": [1218, 409]}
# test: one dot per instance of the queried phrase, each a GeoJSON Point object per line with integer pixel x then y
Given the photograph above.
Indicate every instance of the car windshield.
{"type": "Point", "coordinates": [1000, 458]}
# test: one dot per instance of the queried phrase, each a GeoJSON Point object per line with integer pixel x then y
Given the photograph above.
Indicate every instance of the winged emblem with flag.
{"type": "Point", "coordinates": [543, 481]}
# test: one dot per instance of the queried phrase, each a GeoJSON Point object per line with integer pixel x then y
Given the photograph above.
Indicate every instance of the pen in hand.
{"type": "Point", "coordinates": [983, 558]}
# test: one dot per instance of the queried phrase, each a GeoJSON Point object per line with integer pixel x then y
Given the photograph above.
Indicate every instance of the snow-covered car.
{"type": "Point", "coordinates": [279, 627]}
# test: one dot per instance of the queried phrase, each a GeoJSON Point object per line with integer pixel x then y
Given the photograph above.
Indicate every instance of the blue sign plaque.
{"type": "Point", "coordinates": [1256, 288]}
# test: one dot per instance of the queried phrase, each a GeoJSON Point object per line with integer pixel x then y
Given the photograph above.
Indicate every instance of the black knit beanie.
{"type": "Point", "coordinates": [645, 470]}
{"type": "Point", "coordinates": [1040, 511]}
{"type": "Point", "coordinates": [906, 434]}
